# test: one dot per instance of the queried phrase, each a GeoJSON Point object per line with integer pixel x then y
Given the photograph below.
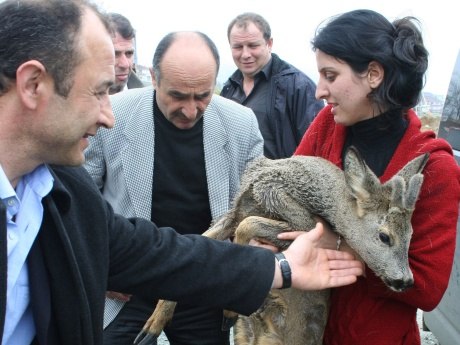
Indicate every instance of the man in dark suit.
{"type": "Point", "coordinates": [61, 245]}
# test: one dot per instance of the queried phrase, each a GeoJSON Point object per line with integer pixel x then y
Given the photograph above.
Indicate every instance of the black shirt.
{"type": "Point", "coordinates": [377, 139]}
{"type": "Point", "coordinates": [180, 191]}
{"type": "Point", "coordinates": [259, 101]}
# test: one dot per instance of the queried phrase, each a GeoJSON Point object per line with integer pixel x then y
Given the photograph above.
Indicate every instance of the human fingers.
{"type": "Point", "coordinates": [263, 244]}
{"type": "Point", "coordinates": [344, 264]}
{"type": "Point", "coordinates": [333, 254]}
{"type": "Point", "coordinates": [292, 235]}
{"type": "Point", "coordinates": [342, 280]}
{"type": "Point", "coordinates": [337, 271]}
{"type": "Point", "coordinates": [289, 235]}
{"type": "Point", "coordinates": [327, 227]}
{"type": "Point", "coordinates": [344, 272]}
{"type": "Point", "coordinates": [300, 249]}
{"type": "Point", "coordinates": [347, 272]}
{"type": "Point", "coordinates": [317, 268]}
{"type": "Point", "coordinates": [118, 296]}
{"type": "Point", "coordinates": [322, 273]}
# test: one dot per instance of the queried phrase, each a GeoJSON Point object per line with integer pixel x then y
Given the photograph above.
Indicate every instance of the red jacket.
{"type": "Point", "coordinates": [367, 312]}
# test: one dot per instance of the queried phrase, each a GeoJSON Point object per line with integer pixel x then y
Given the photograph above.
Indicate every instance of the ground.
{"type": "Point", "coordinates": [427, 337]}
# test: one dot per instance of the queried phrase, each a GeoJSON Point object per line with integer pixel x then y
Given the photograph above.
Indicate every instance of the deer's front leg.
{"type": "Point", "coordinates": [160, 317]}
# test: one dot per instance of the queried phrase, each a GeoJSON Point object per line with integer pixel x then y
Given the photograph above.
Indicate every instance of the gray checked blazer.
{"type": "Point", "coordinates": [120, 160]}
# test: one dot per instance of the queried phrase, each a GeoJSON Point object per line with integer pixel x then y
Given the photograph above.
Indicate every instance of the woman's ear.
{"type": "Point", "coordinates": [32, 82]}
{"type": "Point", "coordinates": [375, 74]}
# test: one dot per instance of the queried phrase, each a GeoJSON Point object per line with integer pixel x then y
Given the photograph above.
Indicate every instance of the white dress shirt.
{"type": "Point", "coordinates": [24, 218]}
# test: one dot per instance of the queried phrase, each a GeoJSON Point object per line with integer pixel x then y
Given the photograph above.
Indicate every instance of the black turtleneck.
{"type": "Point", "coordinates": [180, 190]}
{"type": "Point", "coordinates": [377, 138]}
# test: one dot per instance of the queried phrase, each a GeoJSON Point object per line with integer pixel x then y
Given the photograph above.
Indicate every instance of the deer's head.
{"type": "Point", "coordinates": [384, 214]}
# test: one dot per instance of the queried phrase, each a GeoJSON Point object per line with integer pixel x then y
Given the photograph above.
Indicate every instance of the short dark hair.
{"type": "Point", "coordinates": [46, 31]}
{"type": "Point", "coordinates": [244, 19]}
{"type": "Point", "coordinates": [168, 40]}
{"type": "Point", "coordinates": [122, 25]}
{"type": "Point", "coordinates": [361, 36]}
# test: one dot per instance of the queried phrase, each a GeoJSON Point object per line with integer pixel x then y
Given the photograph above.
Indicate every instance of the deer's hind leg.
{"type": "Point", "coordinates": [269, 324]}
{"type": "Point", "coordinates": [262, 229]}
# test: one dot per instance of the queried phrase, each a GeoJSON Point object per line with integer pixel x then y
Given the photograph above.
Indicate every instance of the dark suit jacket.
{"type": "Point", "coordinates": [86, 250]}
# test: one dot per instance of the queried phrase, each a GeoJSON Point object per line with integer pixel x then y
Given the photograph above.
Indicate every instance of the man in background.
{"type": "Point", "coordinates": [124, 43]}
{"type": "Point", "coordinates": [281, 96]}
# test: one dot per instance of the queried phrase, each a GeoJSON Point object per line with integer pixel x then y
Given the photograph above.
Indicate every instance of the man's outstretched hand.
{"type": "Point", "coordinates": [316, 268]}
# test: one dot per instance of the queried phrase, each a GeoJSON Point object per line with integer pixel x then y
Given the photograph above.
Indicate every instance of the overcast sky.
{"type": "Point", "coordinates": [293, 23]}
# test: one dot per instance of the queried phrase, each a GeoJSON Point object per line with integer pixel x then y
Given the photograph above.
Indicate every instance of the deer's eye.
{"type": "Point", "coordinates": [384, 238]}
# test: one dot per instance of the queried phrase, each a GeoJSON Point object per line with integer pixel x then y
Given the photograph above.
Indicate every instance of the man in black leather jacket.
{"type": "Point", "coordinates": [281, 96]}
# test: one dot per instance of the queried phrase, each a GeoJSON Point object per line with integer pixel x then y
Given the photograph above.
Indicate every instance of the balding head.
{"type": "Point", "coordinates": [185, 67]}
{"type": "Point", "coordinates": [191, 47]}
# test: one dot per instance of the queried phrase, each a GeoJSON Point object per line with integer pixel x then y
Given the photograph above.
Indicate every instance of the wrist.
{"type": "Point", "coordinates": [285, 269]}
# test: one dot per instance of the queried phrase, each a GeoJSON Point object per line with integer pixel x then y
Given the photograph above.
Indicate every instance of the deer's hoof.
{"type": "Point", "coordinates": [228, 322]}
{"type": "Point", "coordinates": [144, 338]}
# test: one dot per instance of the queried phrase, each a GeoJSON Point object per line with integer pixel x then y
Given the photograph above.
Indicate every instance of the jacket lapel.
{"type": "Point", "coordinates": [137, 155]}
{"type": "Point", "coordinates": [216, 161]}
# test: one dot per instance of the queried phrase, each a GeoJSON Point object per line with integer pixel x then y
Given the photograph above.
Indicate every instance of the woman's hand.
{"type": "Point", "coordinates": [118, 296]}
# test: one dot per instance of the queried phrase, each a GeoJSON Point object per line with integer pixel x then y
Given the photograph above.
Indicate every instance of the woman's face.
{"type": "Point", "coordinates": [344, 90]}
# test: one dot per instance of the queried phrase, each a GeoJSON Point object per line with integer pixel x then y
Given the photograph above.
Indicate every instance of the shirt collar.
{"type": "Point", "coordinates": [40, 180]}
{"type": "Point", "coordinates": [266, 71]}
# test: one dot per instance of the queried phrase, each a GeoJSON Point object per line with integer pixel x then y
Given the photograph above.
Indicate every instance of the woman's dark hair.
{"type": "Point", "coordinates": [361, 36]}
{"type": "Point", "coordinates": [46, 31]}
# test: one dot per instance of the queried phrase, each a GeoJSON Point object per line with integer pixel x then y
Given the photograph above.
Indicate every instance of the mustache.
{"type": "Point", "coordinates": [180, 115]}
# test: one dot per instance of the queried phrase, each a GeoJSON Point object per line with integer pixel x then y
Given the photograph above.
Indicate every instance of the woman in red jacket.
{"type": "Point", "coordinates": [371, 75]}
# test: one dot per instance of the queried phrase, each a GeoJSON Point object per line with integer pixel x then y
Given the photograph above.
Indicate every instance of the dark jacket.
{"type": "Point", "coordinates": [84, 249]}
{"type": "Point", "coordinates": [293, 104]}
{"type": "Point", "coordinates": [134, 81]}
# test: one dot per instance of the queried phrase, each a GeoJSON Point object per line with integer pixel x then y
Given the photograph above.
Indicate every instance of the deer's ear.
{"type": "Point", "coordinates": [355, 171]}
{"type": "Point", "coordinates": [361, 181]}
{"type": "Point", "coordinates": [353, 163]}
{"type": "Point", "coordinates": [415, 166]}
{"type": "Point", "coordinates": [415, 184]}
